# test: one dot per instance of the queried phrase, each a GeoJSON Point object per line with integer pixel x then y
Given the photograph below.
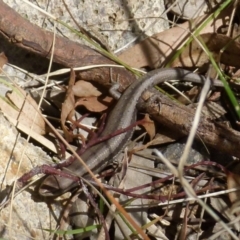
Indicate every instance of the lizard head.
{"type": "Point", "coordinates": [53, 186]}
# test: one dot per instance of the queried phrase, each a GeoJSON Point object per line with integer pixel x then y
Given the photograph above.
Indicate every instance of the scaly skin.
{"type": "Point", "coordinates": [122, 116]}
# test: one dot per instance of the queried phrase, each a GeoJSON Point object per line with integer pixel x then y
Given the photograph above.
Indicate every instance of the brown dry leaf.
{"type": "Point", "coordinates": [191, 94]}
{"type": "Point", "coordinates": [193, 55]}
{"type": "Point", "coordinates": [34, 135]}
{"type": "Point", "coordinates": [233, 181]}
{"type": "Point", "coordinates": [3, 60]}
{"type": "Point", "coordinates": [24, 110]}
{"type": "Point", "coordinates": [161, 139]}
{"type": "Point", "coordinates": [93, 104]}
{"type": "Point", "coordinates": [149, 126]}
{"type": "Point", "coordinates": [157, 50]}
{"type": "Point", "coordinates": [68, 107]}
{"type": "Point", "coordinates": [85, 89]}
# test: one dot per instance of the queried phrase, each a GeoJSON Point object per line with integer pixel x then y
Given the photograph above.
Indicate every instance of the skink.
{"type": "Point", "coordinates": [122, 116]}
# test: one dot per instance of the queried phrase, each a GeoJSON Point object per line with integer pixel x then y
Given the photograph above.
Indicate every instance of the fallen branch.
{"type": "Point", "coordinates": [26, 35]}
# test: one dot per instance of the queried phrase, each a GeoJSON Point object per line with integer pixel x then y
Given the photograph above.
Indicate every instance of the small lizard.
{"type": "Point", "coordinates": [122, 116]}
